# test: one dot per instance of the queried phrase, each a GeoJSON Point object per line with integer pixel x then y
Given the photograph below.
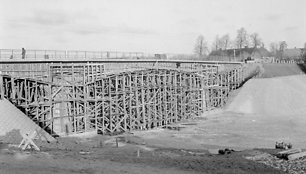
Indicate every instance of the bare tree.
{"type": "Point", "coordinates": [282, 46]}
{"type": "Point", "coordinates": [217, 44]}
{"type": "Point", "coordinates": [200, 48]}
{"type": "Point", "coordinates": [262, 45]}
{"type": "Point", "coordinates": [221, 43]}
{"type": "Point", "coordinates": [242, 38]}
{"type": "Point", "coordinates": [225, 41]}
{"type": "Point", "coordinates": [274, 48]}
{"type": "Point", "coordinates": [256, 41]}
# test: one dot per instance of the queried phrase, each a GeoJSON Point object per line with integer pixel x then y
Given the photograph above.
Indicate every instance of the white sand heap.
{"type": "Point", "coordinates": [273, 96]}
{"type": "Point", "coordinates": [13, 122]}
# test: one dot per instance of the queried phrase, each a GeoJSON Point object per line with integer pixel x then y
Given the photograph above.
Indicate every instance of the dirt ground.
{"type": "Point", "coordinates": [277, 70]}
{"type": "Point", "coordinates": [98, 156]}
{"type": "Point", "coordinates": [244, 125]}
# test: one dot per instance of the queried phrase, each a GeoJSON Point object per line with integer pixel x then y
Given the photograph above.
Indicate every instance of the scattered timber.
{"type": "Point", "coordinates": [297, 155]}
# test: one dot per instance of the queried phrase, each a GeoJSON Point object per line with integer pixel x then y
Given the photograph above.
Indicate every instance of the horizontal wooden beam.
{"type": "Point", "coordinates": [114, 60]}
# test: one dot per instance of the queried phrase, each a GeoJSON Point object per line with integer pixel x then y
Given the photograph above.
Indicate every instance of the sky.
{"type": "Point", "coordinates": [151, 26]}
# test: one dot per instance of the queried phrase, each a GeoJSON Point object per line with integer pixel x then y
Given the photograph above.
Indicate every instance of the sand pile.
{"type": "Point", "coordinates": [272, 96]}
{"type": "Point", "coordinates": [13, 121]}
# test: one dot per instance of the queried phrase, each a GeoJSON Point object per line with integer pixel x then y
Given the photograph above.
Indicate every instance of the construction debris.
{"type": "Point", "coordinates": [27, 141]}
{"type": "Point", "coordinates": [225, 151]}
{"type": "Point", "coordinates": [286, 153]}
{"type": "Point", "coordinates": [282, 145]}
{"type": "Point", "coordinates": [296, 156]}
{"type": "Point", "coordinates": [294, 166]}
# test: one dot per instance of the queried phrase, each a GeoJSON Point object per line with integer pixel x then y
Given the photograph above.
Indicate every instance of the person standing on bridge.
{"type": "Point", "coordinates": [23, 53]}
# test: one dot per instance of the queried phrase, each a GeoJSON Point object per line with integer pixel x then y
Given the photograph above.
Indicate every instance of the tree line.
{"type": "Point", "coordinates": [242, 39]}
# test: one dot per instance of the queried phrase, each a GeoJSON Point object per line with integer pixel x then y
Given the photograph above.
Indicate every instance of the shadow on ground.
{"type": "Point", "coordinates": [302, 67]}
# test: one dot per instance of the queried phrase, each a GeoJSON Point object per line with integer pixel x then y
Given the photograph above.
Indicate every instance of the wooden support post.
{"type": "Point", "coordinates": [110, 105]}
{"type": "Point", "coordinates": [159, 107]}
{"type": "Point", "coordinates": [131, 93]}
{"type": "Point", "coordinates": [1, 88]}
{"type": "Point", "coordinates": [164, 96]}
{"type": "Point", "coordinates": [148, 90]}
{"type": "Point", "coordinates": [174, 93]}
{"type": "Point", "coordinates": [143, 102]}
{"type": "Point", "coordinates": [124, 102]}
{"type": "Point", "coordinates": [103, 114]}
{"type": "Point", "coordinates": [154, 93]}
{"type": "Point", "coordinates": [137, 105]}
{"type": "Point", "coordinates": [96, 105]}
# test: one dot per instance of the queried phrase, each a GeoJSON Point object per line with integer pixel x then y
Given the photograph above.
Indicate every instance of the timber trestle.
{"type": "Point", "coordinates": [69, 99]}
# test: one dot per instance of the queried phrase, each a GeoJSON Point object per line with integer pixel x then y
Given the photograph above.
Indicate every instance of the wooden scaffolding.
{"type": "Point", "coordinates": [76, 98]}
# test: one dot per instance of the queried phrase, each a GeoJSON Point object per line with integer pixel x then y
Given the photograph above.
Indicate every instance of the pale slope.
{"type": "Point", "coordinates": [13, 121]}
{"type": "Point", "coordinates": [272, 96]}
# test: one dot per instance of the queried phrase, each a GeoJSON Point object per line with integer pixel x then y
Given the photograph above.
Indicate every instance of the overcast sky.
{"type": "Point", "coordinates": [165, 26]}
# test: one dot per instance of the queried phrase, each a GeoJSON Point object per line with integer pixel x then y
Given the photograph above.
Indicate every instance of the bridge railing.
{"type": "Point", "coordinates": [17, 54]}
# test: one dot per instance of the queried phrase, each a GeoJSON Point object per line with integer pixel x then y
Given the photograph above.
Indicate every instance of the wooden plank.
{"type": "Point", "coordinates": [290, 151]}
{"type": "Point", "coordinates": [286, 153]}
{"type": "Point", "coordinates": [297, 155]}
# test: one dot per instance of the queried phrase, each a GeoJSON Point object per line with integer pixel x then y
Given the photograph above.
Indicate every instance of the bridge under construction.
{"type": "Point", "coordinates": [110, 96]}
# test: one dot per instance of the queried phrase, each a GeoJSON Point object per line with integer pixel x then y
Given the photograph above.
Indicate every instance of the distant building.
{"type": "Point", "coordinates": [240, 54]}
{"type": "Point", "coordinates": [160, 56]}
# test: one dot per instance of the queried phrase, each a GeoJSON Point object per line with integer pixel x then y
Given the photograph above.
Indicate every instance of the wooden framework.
{"type": "Point", "coordinates": [76, 98]}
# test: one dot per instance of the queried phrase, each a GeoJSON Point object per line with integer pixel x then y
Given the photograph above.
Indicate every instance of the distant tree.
{"type": "Point", "coordinates": [225, 39]}
{"type": "Point", "coordinates": [303, 54]}
{"type": "Point", "coordinates": [262, 45]}
{"type": "Point", "coordinates": [221, 43]}
{"type": "Point", "coordinates": [255, 40]}
{"type": "Point", "coordinates": [217, 44]}
{"type": "Point", "coordinates": [200, 47]}
{"type": "Point", "coordinates": [233, 44]}
{"type": "Point", "coordinates": [242, 38]}
{"type": "Point", "coordinates": [282, 46]}
{"type": "Point", "coordinates": [274, 48]}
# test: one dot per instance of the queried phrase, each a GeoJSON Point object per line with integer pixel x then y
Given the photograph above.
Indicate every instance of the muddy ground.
{"type": "Point", "coordinates": [187, 147]}
{"type": "Point", "coordinates": [101, 155]}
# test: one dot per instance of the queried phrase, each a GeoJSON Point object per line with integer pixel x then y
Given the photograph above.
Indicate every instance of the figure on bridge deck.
{"type": "Point", "coordinates": [23, 53]}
